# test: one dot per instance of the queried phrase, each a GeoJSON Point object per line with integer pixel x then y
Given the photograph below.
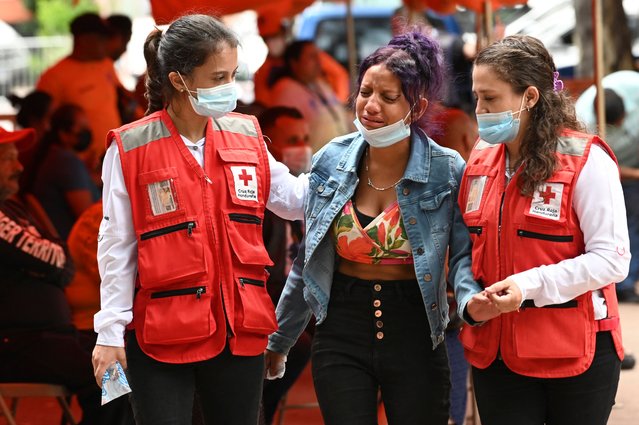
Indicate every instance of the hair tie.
{"type": "Point", "coordinates": [557, 83]}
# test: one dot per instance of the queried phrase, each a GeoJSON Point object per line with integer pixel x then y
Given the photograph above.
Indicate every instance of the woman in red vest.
{"type": "Point", "coordinates": [544, 206]}
{"type": "Point", "coordinates": [180, 250]}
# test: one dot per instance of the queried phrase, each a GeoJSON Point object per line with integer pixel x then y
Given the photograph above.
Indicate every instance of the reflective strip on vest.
{"type": "Point", "coordinates": [138, 136]}
{"type": "Point", "coordinates": [484, 145]}
{"type": "Point", "coordinates": [236, 124]}
{"type": "Point", "coordinates": [574, 146]}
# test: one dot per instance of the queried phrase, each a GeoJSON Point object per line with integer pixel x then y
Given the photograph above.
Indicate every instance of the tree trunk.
{"type": "Point", "coordinates": [616, 38]}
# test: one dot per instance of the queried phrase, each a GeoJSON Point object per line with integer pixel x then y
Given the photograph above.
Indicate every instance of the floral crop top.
{"type": "Point", "coordinates": [382, 241]}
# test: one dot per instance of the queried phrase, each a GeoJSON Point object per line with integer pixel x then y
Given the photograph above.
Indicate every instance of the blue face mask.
{"type": "Point", "coordinates": [214, 102]}
{"type": "Point", "coordinates": [500, 127]}
{"type": "Point", "coordinates": [384, 136]}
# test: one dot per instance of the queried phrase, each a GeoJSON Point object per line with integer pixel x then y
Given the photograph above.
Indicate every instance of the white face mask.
{"type": "Point", "coordinates": [384, 136]}
{"type": "Point", "coordinates": [297, 159]}
{"type": "Point", "coordinates": [214, 102]}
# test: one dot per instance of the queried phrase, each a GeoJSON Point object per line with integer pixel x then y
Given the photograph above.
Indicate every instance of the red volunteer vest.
{"type": "Point", "coordinates": [549, 342]}
{"type": "Point", "coordinates": [201, 257]}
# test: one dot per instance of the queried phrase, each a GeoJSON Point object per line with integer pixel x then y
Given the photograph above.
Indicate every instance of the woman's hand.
{"type": "Point", "coordinates": [506, 295]}
{"type": "Point", "coordinates": [480, 308]}
{"type": "Point", "coordinates": [105, 356]}
{"type": "Point", "coordinates": [274, 364]}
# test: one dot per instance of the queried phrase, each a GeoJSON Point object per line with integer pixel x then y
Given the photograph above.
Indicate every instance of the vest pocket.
{"type": "Point", "coordinates": [565, 327]}
{"type": "Point", "coordinates": [256, 312]}
{"type": "Point", "coordinates": [476, 338]}
{"type": "Point", "coordinates": [241, 167]}
{"type": "Point", "coordinates": [158, 247]}
{"type": "Point", "coordinates": [161, 191]}
{"type": "Point", "coordinates": [478, 238]}
{"type": "Point", "coordinates": [180, 315]}
{"type": "Point", "coordinates": [244, 232]}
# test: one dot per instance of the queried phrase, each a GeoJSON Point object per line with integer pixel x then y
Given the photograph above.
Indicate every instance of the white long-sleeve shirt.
{"type": "Point", "coordinates": [117, 246]}
{"type": "Point", "coordinates": [599, 204]}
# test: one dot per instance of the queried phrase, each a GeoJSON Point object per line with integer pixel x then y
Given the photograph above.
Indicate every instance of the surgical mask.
{"type": "Point", "coordinates": [499, 127]}
{"type": "Point", "coordinates": [384, 136]}
{"type": "Point", "coordinates": [83, 140]}
{"type": "Point", "coordinates": [214, 102]}
{"type": "Point", "coordinates": [297, 159]}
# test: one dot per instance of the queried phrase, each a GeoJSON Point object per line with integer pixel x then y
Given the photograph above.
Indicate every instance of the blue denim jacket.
{"type": "Point", "coordinates": [427, 196]}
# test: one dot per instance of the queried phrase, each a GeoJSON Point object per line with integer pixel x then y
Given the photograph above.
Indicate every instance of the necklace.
{"type": "Point", "coordinates": [368, 177]}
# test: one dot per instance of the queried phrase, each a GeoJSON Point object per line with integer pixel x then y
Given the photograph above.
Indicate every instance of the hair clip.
{"type": "Point", "coordinates": [557, 83]}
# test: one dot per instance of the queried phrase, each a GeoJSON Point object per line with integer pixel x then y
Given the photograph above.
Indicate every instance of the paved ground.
{"type": "Point", "coordinates": [626, 411]}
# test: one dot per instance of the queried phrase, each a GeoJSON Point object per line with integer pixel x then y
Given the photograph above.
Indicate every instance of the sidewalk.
{"type": "Point", "coordinates": [626, 411]}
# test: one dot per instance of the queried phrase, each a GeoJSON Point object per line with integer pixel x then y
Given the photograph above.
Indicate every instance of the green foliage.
{"type": "Point", "coordinates": [54, 16]}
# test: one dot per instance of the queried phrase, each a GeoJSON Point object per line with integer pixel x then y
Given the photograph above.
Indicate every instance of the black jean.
{"type": "Point", "coordinates": [506, 398]}
{"type": "Point", "coordinates": [376, 337]}
{"type": "Point", "coordinates": [229, 388]}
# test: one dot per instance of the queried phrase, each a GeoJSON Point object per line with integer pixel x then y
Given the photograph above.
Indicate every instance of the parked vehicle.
{"type": "Point", "coordinates": [553, 22]}
{"type": "Point", "coordinates": [325, 23]}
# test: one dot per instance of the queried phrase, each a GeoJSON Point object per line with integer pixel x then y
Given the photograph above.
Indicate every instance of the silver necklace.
{"type": "Point", "coordinates": [368, 177]}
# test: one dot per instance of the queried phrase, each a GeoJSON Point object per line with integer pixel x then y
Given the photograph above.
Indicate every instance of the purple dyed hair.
{"type": "Point", "coordinates": [416, 60]}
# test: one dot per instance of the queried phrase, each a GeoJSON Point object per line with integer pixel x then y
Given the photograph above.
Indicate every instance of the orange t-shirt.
{"type": "Point", "coordinates": [92, 85]}
{"type": "Point", "coordinates": [83, 293]}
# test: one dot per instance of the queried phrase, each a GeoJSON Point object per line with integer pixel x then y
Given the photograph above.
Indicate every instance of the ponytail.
{"type": "Point", "coordinates": [154, 93]}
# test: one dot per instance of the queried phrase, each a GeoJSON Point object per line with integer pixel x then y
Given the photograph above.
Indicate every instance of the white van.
{"type": "Point", "coordinates": [553, 22]}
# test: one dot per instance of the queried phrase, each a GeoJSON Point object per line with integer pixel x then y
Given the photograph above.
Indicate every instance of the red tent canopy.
{"type": "Point", "coordinates": [164, 11]}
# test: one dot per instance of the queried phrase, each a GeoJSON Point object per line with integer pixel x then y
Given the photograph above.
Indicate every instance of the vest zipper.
{"type": "Point", "coordinates": [501, 210]}
{"type": "Point", "coordinates": [187, 225]}
{"type": "Point", "coordinates": [196, 290]}
{"type": "Point", "coordinates": [208, 180]}
{"type": "Point", "coordinates": [245, 218]}
{"type": "Point", "coordinates": [254, 282]}
{"type": "Point", "coordinates": [477, 230]}
{"type": "Point", "coordinates": [543, 236]}
{"type": "Point", "coordinates": [567, 304]}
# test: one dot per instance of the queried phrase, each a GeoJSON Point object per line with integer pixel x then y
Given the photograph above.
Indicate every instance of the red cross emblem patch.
{"type": "Point", "coordinates": [245, 183]}
{"type": "Point", "coordinates": [546, 201]}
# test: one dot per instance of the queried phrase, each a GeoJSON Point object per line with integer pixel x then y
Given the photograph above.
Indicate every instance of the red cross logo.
{"type": "Point", "coordinates": [245, 177]}
{"type": "Point", "coordinates": [547, 195]}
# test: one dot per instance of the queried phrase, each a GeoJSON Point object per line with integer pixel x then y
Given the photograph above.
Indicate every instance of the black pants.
{"type": "Point", "coordinates": [376, 337]}
{"type": "Point", "coordinates": [60, 357]}
{"type": "Point", "coordinates": [229, 388]}
{"type": "Point", "coordinates": [507, 398]}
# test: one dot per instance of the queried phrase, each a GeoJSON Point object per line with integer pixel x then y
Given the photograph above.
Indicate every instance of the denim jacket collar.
{"type": "Point", "coordinates": [418, 167]}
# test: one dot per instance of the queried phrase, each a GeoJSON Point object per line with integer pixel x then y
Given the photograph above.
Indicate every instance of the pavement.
{"type": "Point", "coordinates": [626, 409]}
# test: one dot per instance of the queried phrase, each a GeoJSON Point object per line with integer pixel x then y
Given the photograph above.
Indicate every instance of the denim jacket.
{"type": "Point", "coordinates": [427, 197]}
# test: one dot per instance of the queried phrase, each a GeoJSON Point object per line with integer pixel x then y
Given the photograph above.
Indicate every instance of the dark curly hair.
{"type": "Point", "coordinates": [523, 61]}
{"type": "Point", "coordinates": [185, 45]}
{"type": "Point", "coordinates": [416, 59]}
